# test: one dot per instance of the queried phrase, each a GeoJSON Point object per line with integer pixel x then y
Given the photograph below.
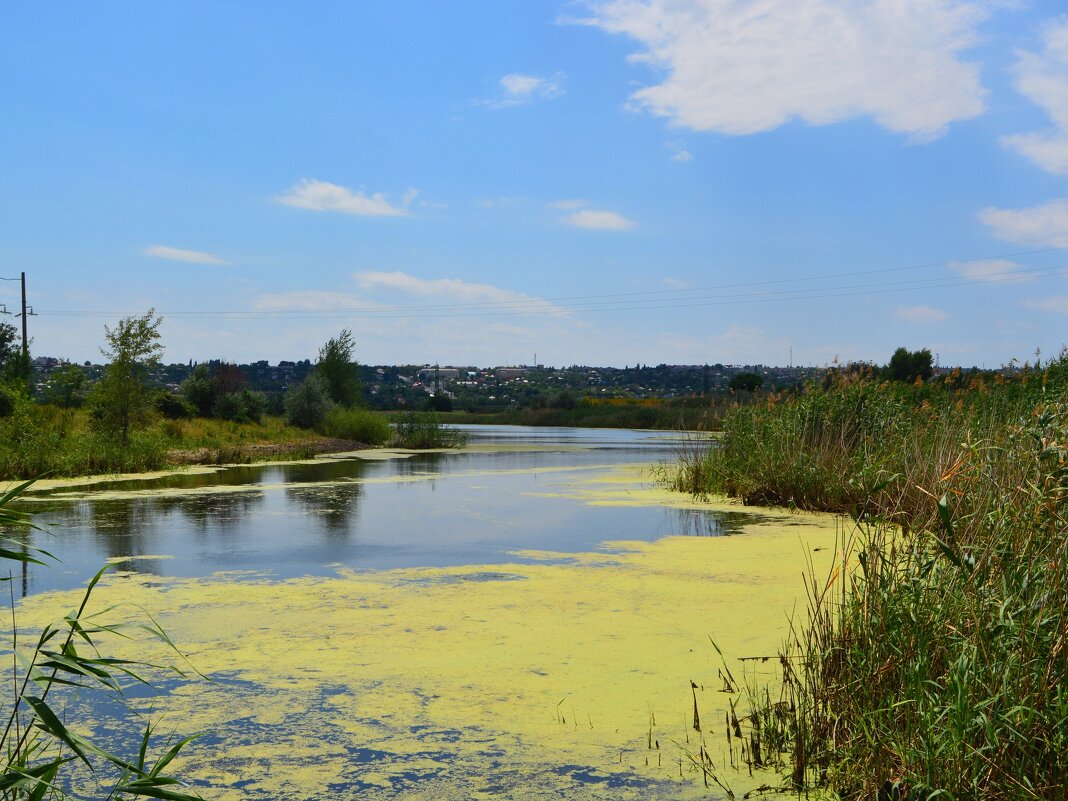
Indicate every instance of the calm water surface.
{"type": "Point", "coordinates": [435, 509]}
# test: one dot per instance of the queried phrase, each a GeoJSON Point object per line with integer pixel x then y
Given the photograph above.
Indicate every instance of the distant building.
{"type": "Point", "coordinates": [508, 373]}
{"type": "Point", "coordinates": [444, 373]}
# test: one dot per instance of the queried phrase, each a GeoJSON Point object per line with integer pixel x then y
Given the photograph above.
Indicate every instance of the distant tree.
{"type": "Point", "coordinates": [337, 366]}
{"type": "Point", "coordinates": [439, 402]}
{"type": "Point", "coordinates": [746, 382]}
{"type": "Point", "coordinates": [906, 365]}
{"type": "Point", "coordinates": [563, 399]}
{"type": "Point", "coordinates": [200, 390]}
{"type": "Point", "coordinates": [121, 399]}
{"type": "Point", "coordinates": [65, 386]}
{"type": "Point", "coordinates": [14, 364]}
{"type": "Point", "coordinates": [308, 403]}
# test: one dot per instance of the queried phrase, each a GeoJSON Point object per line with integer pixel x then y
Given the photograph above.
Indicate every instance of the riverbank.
{"type": "Point", "coordinates": [932, 657]}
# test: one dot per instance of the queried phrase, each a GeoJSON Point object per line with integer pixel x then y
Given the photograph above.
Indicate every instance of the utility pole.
{"type": "Point", "coordinates": [25, 343]}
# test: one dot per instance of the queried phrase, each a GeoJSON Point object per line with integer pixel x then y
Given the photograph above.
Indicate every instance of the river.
{"type": "Point", "coordinates": [519, 619]}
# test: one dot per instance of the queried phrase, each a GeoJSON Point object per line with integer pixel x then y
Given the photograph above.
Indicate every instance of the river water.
{"type": "Point", "coordinates": [519, 619]}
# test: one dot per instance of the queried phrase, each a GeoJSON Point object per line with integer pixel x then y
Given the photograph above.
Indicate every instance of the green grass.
{"type": "Point", "coordinates": [934, 657]}
{"type": "Point", "coordinates": [425, 431]}
{"type": "Point", "coordinates": [360, 425]}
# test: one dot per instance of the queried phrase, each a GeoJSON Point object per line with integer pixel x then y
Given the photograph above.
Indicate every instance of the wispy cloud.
{"type": "Point", "coordinates": [1038, 226]}
{"type": "Point", "coordinates": [738, 68]}
{"type": "Point", "coordinates": [458, 290]}
{"type": "Point", "coordinates": [1043, 79]}
{"type": "Point", "coordinates": [920, 314]}
{"type": "Point", "coordinates": [324, 196]}
{"type": "Point", "coordinates": [1053, 303]}
{"type": "Point", "coordinates": [990, 270]}
{"type": "Point", "coordinates": [517, 89]}
{"type": "Point", "coordinates": [678, 152]}
{"type": "Point", "coordinates": [181, 254]}
{"type": "Point", "coordinates": [568, 205]}
{"type": "Point", "coordinates": [599, 220]}
{"type": "Point", "coordinates": [310, 300]}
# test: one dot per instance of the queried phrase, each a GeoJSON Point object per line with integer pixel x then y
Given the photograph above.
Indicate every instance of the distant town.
{"type": "Point", "coordinates": [471, 387]}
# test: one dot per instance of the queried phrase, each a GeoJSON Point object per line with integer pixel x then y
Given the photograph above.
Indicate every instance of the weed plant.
{"type": "Point", "coordinates": [934, 657]}
{"type": "Point", "coordinates": [425, 431]}
{"type": "Point", "coordinates": [45, 751]}
{"type": "Point", "coordinates": [359, 425]}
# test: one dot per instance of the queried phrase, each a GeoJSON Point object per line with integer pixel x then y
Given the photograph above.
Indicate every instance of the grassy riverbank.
{"type": "Point", "coordinates": [38, 440]}
{"type": "Point", "coordinates": [689, 414]}
{"type": "Point", "coordinates": [933, 656]}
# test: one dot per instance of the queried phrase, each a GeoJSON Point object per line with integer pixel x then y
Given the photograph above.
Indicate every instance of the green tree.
{"type": "Point", "coordinates": [747, 382]}
{"type": "Point", "coordinates": [908, 365]}
{"type": "Point", "coordinates": [65, 386]}
{"type": "Point", "coordinates": [14, 364]}
{"type": "Point", "coordinates": [200, 390]}
{"type": "Point", "coordinates": [340, 370]}
{"type": "Point", "coordinates": [308, 403]}
{"type": "Point", "coordinates": [122, 399]}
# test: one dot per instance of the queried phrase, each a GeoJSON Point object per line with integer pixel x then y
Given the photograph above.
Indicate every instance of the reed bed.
{"type": "Point", "coordinates": [933, 660]}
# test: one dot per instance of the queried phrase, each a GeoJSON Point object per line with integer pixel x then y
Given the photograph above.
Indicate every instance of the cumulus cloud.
{"type": "Point", "coordinates": [324, 196]}
{"type": "Point", "coordinates": [1038, 226]}
{"type": "Point", "coordinates": [920, 314]}
{"type": "Point", "coordinates": [180, 254]}
{"type": "Point", "coordinates": [1043, 79]}
{"type": "Point", "coordinates": [992, 270]}
{"type": "Point", "coordinates": [738, 67]}
{"type": "Point", "coordinates": [517, 89]}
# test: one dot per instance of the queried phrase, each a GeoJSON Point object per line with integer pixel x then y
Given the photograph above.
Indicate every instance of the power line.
{"type": "Point", "coordinates": [614, 302]}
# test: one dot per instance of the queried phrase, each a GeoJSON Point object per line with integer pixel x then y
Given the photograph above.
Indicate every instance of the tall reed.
{"type": "Point", "coordinates": [934, 657]}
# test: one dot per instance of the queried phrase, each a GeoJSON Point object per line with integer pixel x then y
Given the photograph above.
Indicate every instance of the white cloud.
{"type": "Point", "coordinates": [920, 314]}
{"type": "Point", "coordinates": [599, 220]}
{"type": "Point", "coordinates": [518, 89]}
{"type": "Point", "coordinates": [1054, 303]}
{"type": "Point", "coordinates": [992, 270]}
{"type": "Point", "coordinates": [324, 196]}
{"type": "Point", "coordinates": [180, 254]}
{"type": "Point", "coordinates": [455, 289]}
{"type": "Point", "coordinates": [1043, 79]}
{"type": "Point", "coordinates": [739, 67]}
{"type": "Point", "coordinates": [1038, 226]}
{"type": "Point", "coordinates": [678, 152]}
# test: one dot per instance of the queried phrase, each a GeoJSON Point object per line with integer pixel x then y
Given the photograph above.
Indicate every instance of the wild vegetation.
{"type": "Point", "coordinates": [933, 658]}
{"type": "Point", "coordinates": [123, 424]}
{"type": "Point", "coordinates": [45, 749]}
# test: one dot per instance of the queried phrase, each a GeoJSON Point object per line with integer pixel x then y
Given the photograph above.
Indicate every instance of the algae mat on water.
{"type": "Point", "coordinates": [565, 678]}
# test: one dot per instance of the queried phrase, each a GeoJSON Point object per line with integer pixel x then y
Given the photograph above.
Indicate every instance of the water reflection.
{"type": "Point", "coordinates": [479, 506]}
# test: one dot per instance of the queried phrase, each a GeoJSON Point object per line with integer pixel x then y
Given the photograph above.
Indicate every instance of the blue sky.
{"type": "Point", "coordinates": [678, 181]}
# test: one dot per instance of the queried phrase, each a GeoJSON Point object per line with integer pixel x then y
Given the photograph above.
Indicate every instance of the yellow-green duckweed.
{"type": "Point", "coordinates": [533, 680]}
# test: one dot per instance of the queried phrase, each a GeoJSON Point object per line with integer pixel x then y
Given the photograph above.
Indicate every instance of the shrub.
{"type": "Point", "coordinates": [308, 403]}
{"type": "Point", "coordinates": [360, 425]}
{"type": "Point", "coordinates": [423, 431]}
{"type": "Point", "coordinates": [174, 407]}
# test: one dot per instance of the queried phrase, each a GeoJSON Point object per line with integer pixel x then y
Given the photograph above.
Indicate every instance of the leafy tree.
{"type": "Point", "coordinates": [439, 402]}
{"type": "Point", "coordinates": [200, 390]}
{"type": "Point", "coordinates": [308, 403]}
{"type": "Point", "coordinates": [746, 382]}
{"type": "Point", "coordinates": [121, 399]}
{"type": "Point", "coordinates": [340, 370]}
{"type": "Point", "coordinates": [14, 364]}
{"type": "Point", "coordinates": [65, 386]}
{"type": "Point", "coordinates": [908, 365]}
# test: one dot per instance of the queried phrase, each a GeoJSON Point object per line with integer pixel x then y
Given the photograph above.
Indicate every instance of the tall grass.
{"type": "Point", "coordinates": [360, 425]}
{"type": "Point", "coordinates": [933, 659]}
{"type": "Point", "coordinates": [425, 431]}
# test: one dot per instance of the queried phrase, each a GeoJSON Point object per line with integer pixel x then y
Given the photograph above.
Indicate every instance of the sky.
{"type": "Point", "coordinates": [604, 182]}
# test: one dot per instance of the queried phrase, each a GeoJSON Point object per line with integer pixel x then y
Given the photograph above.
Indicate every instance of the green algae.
{"type": "Point", "coordinates": [535, 680]}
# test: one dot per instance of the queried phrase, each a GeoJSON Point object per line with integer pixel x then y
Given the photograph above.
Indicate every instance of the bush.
{"type": "Point", "coordinates": [360, 425]}
{"type": "Point", "coordinates": [174, 407]}
{"type": "Point", "coordinates": [309, 402]}
{"type": "Point", "coordinates": [423, 431]}
{"type": "Point", "coordinates": [7, 402]}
